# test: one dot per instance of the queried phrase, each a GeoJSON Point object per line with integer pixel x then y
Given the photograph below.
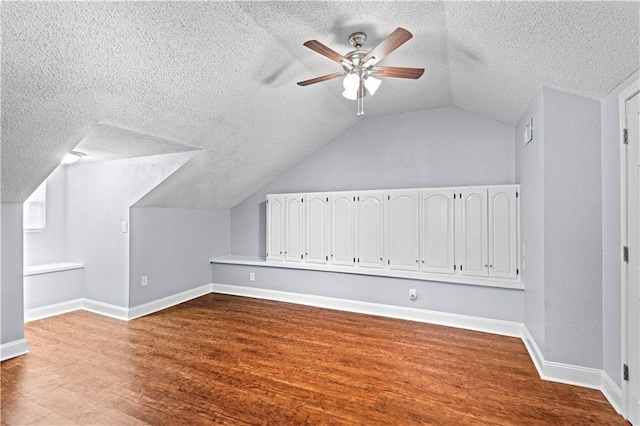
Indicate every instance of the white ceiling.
{"type": "Point", "coordinates": [141, 78]}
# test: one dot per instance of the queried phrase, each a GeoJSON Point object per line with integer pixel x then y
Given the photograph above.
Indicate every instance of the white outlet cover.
{"type": "Point", "coordinates": [145, 281]}
{"type": "Point", "coordinates": [252, 276]}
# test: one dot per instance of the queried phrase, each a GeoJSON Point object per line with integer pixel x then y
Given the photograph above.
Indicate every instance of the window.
{"type": "Point", "coordinates": [35, 210]}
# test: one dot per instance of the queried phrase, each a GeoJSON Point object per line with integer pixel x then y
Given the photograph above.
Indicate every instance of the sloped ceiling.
{"type": "Point", "coordinates": [220, 77]}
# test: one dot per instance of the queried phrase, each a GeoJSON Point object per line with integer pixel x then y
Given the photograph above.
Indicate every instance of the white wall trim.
{"type": "Point", "coordinates": [113, 311]}
{"type": "Point", "coordinates": [487, 325]}
{"type": "Point", "coordinates": [612, 392]}
{"type": "Point", "coordinates": [166, 302]}
{"type": "Point", "coordinates": [563, 373]}
{"type": "Point", "coordinates": [13, 349]}
{"type": "Point", "coordinates": [625, 333]}
{"type": "Point", "coordinates": [534, 351]}
{"type": "Point", "coordinates": [35, 314]}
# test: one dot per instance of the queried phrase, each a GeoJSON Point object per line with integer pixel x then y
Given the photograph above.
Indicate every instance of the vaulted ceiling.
{"type": "Point", "coordinates": [141, 78]}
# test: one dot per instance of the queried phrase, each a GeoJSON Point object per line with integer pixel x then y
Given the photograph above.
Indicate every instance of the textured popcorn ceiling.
{"type": "Point", "coordinates": [141, 78]}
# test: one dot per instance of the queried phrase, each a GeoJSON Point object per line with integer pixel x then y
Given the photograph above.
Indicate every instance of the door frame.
{"type": "Point", "coordinates": [626, 94]}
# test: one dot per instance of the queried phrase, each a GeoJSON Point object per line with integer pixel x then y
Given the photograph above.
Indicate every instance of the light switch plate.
{"type": "Point", "coordinates": [125, 226]}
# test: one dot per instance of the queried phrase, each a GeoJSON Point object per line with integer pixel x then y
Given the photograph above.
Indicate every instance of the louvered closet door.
{"type": "Point", "coordinates": [473, 232]}
{"type": "Point", "coordinates": [343, 216]}
{"type": "Point", "coordinates": [370, 230]}
{"type": "Point", "coordinates": [318, 229]}
{"type": "Point", "coordinates": [503, 232]}
{"type": "Point", "coordinates": [402, 229]}
{"type": "Point", "coordinates": [437, 231]}
{"type": "Point", "coordinates": [275, 227]}
{"type": "Point", "coordinates": [294, 228]}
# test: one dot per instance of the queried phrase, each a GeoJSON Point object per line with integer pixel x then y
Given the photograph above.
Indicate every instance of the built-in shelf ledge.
{"type": "Point", "coordinates": [241, 260]}
{"type": "Point", "coordinates": [258, 261]}
{"type": "Point", "coordinates": [47, 268]}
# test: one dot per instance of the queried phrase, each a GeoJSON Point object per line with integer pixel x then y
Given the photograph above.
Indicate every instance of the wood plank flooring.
{"type": "Point", "coordinates": [234, 360]}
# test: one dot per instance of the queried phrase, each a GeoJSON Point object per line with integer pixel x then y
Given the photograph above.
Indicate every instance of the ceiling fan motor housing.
{"type": "Point", "coordinates": [357, 39]}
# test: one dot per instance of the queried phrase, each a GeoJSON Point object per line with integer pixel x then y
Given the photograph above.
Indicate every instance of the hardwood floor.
{"type": "Point", "coordinates": [225, 359]}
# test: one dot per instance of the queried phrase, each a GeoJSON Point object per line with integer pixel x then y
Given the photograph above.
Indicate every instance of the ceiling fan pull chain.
{"type": "Point", "coordinates": [360, 99]}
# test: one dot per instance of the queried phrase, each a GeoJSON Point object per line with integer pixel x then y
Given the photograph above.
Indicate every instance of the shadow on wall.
{"type": "Point", "coordinates": [262, 218]}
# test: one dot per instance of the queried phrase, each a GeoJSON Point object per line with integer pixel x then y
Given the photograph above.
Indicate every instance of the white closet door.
{"type": "Point", "coordinates": [503, 262]}
{"type": "Point", "coordinates": [402, 235]}
{"type": "Point", "coordinates": [275, 227]}
{"type": "Point", "coordinates": [294, 228]}
{"type": "Point", "coordinates": [473, 235]}
{"type": "Point", "coordinates": [370, 229]}
{"type": "Point", "coordinates": [437, 231]}
{"type": "Point", "coordinates": [317, 236]}
{"type": "Point", "coordinates": [343, 216]}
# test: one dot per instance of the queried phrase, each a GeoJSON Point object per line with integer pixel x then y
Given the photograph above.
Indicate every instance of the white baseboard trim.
{"type": "Point", "coordinates": [559, 372]}
{"type": "Point", "coordinates": [35, 314]}
{"type": "Point", "coordinates": [13, 349]}
{"type": "Point", "coordinates": [487, 325]}
{"type": "Point", "coordinates": [612, 392]}
{"type": "Point", "coordinates": [114, 311]}
{"type": "Point", "coordinates": [106, 309]}
{"type": "Point", "coordinates": [167, 302]}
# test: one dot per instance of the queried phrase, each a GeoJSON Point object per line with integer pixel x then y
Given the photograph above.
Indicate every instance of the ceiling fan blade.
{"type": "Point", "coordinates": [398, 72]}
{"type": "Point", "coordinates": [316, 46]}
{"type": "Point", "coordinates": [396, 39]}
{"type": "Point", "coordinates": [320, 79]}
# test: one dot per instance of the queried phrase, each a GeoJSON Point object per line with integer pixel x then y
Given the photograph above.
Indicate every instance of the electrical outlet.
{"type": "Point", "coordinates": [413, 294]}
{"type": "Point", "coordinates": [145, 281]}
{"type": "Point", "coordinates": [125, 226]}
{"type": "Point", "coordinates": [252, 276]}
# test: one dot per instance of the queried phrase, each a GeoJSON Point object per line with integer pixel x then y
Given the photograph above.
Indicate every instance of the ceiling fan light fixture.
{"type": "Point", "coordinates": [351, 82]}
{"type": "Point", "coordinates": [372, 84]}
{"type": "Point", "coordinates": [352, 95]}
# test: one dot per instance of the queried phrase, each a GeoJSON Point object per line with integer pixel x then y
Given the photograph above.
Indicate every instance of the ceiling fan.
{"type": "Point", "coordinates": [359, 66]}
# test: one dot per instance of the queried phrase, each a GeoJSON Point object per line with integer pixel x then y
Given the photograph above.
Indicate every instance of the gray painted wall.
{"type": "Point", "coordinates": [572, 229]}
{"type": "Point", "coordinates": [436, 147]}
{"type": "Point", "coordinates": [529, 161]}
{"type": "Point", "coordinates": [611, 246]}
{"type": "Point", "coordinates": [98, 199]}
{"type": "Point", "coordinates": [11, 300]}
{"type": "Point", "coordinates": [172, 247]}
{"type": "Point", "coordinates": [487, 302]}
{"type": "Point", "coordinates": [57, 287]}
{"type": "Point", "coordinates": [50, 245]}
{"type": "Point", "coordinates": [560, 178]}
